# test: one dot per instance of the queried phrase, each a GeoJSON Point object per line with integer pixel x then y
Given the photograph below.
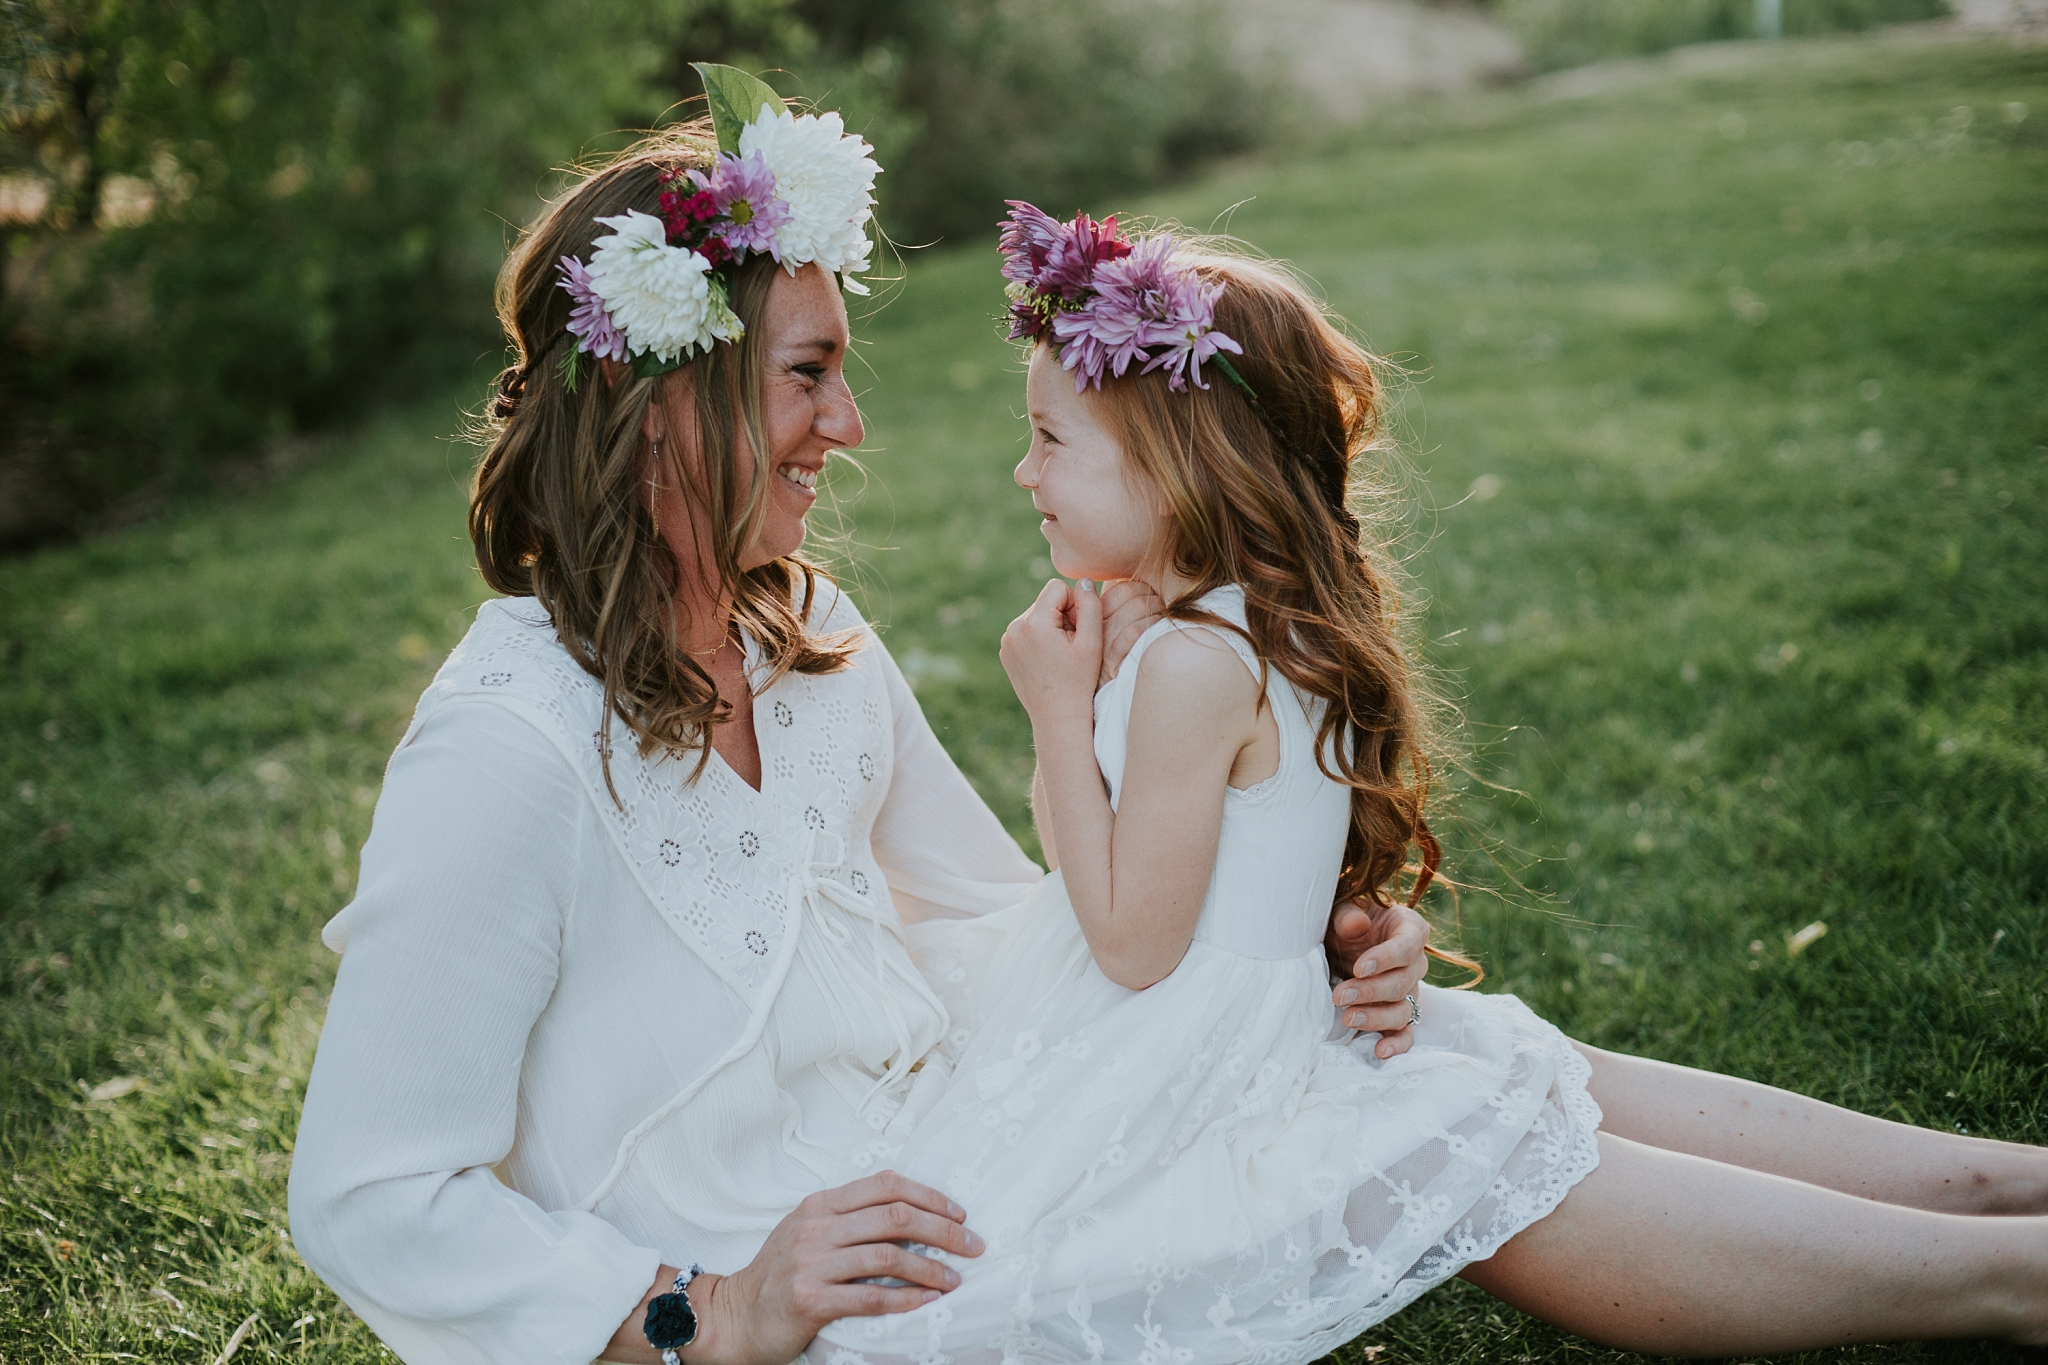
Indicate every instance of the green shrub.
{"type": "Point", "coordinates": [1562, 33]}
{"type": "Point", "coordinates": [255, 216]}
{"type": "Point", "coordinates": [1064, 102]}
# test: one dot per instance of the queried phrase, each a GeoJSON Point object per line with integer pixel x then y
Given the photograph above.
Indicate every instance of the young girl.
{"type": "Point", "coordinates": [1259, 1186]}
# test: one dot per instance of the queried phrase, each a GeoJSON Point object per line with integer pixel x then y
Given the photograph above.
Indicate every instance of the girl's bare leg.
{"type": "Point", "coordinates": [1660, 1251]}
{"type": "Point", "coordinates": [1762, 1128]}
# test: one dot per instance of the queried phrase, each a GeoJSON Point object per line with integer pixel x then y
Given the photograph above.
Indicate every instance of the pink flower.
{"type": "Point", "coordinates": [1188, 330]}
{"type": "Point", "coordinates": [589, 321]}
{"type": "Point", "coordinates": [1054, 257]}
{"type": "Point", "coordinates": [744, 192]}
{"type": "Point", "coordinates": [1027, 240]}
{"type": "Point", "coordinates": [1143, 308]}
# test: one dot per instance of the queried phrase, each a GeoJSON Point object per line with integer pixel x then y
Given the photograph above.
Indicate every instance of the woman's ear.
{"type": "Point", "coordinates": [651, 417]}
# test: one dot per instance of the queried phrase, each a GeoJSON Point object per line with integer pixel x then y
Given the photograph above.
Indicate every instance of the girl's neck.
{"type": "Point", "coordinates": [1160, 576]}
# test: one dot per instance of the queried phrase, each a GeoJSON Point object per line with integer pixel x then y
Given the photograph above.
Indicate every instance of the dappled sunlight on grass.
{"type": "Point", "coordinates": [1725, 428]}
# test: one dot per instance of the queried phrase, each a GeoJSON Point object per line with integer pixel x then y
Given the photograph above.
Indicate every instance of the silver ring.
{"type": "Point", "coordinates": [1414, 1012]}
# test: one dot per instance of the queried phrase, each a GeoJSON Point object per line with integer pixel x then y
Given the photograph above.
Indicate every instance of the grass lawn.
{"type": "Point", "coordinates": [1729, 441]}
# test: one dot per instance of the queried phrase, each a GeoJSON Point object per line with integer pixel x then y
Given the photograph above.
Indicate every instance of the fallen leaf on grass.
{"type": "Point", "coordinates": [227, 1352]}
{"type": "Point", "coordinates": [65, 1247]}
{"type": "Point", "coordinates": [115, 1088]}
{"type": "Point", "coordinates": [1804, 939]}
{"type": "Point", "coordinates": [159, 1292]}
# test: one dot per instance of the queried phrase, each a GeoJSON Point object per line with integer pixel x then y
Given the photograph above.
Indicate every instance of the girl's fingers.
{"type": "Point", "coordinates": [1052, 599]}
{"type": "Point", "coordinates": [1087, 609]}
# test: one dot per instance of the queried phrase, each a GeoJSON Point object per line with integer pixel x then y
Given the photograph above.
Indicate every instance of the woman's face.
{"type": "Point", "coordinates": [1101, 518]}
{"type": "Point", "coordinates": [806, 411]}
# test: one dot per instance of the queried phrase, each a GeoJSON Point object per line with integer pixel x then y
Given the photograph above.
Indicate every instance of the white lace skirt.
{"type": "Point", "coordinates": [1206, 1171]}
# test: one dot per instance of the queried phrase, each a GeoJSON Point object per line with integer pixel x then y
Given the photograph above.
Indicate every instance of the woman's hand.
{"type": "Point", "coordinates": [1378, 958]}
{"type": "Point", "coordinates": [1053, 653]}
{"type": "Point", "coordinates": [807, 1274]}
{"type": "Point", "coordinates": [1129, 607]}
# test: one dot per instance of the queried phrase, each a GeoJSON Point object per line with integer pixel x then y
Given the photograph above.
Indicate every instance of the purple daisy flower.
{"type": "Point", "coordinates": [1027, 240]}
{"type": "Point", "coordinates": [744, 190]}
{"type": "Point", "coordinates": [590, 322]}
{"type": "Point", "coordinates": [1188, 330]}
{"type": "Point", "coordinates": [1049, 256]}
{"type": "Point", "coordinates": [1142, 303]}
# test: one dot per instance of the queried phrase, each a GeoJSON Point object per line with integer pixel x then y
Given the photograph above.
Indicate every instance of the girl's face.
{"type": "Point", "coordinates": [1102, 518]}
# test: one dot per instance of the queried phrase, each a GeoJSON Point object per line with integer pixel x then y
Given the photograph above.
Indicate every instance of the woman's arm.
{"type": "Point", "coordinates": [1378, 959]}
{"type": "Point", "coordinates": [808, 1271]}
{"type": "Point", "coordinates": [1136, 876]}
{"type": "Point", "coordinates": [451, 953]}
{"type": "Point", "coordinates": [943, 850]}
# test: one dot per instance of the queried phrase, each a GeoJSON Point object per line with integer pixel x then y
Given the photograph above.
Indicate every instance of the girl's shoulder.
{"type": "Point", "coordinates": [1225, 609]}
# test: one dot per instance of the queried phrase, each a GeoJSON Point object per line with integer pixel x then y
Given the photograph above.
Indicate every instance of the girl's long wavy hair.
{"type": "Point", "coordinates": [556, 509]}
{"type": "Point", "coordinates": [1266, 494]}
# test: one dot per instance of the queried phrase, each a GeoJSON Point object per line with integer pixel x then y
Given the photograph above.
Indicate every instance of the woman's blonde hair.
{"type": "Point", "coordinates": [1263, 493]}
{"type": "Point", "coordinates": [556, 510]}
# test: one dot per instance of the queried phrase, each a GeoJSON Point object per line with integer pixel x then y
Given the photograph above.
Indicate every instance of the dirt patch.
{"type": "Point", "coordinates": [1352, 56]}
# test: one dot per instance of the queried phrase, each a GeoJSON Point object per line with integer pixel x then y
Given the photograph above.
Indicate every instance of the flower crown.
{"type": "Point", "coordinates": [1106, 302]}
{"type": "Point", "coordinates": [658, 290]}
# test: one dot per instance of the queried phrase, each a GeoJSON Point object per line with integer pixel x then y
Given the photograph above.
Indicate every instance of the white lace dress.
{"type": "Point", "coordinates": [1210, 1170]}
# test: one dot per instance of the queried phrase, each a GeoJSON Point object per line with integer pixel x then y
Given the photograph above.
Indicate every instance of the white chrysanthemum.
{"type": "Point", "coordinates": [659, 296]}
{"type": "Point", "coordinates": [827, 178]}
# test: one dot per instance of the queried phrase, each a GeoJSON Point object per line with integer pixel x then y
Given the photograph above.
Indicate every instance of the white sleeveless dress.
{"type": "Point", "coordinates": [1211, 1170]}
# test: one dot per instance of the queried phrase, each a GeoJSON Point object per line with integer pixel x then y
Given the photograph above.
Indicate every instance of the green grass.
{"type": "Point", "coordinates": [1730, 443]}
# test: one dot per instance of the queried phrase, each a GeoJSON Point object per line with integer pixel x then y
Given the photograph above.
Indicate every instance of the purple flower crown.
{"type": "Point", "coordinates": [1106, 302]}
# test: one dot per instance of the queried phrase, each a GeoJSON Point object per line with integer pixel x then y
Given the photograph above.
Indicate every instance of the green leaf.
{"type": "Point", "coordinates": [648, 365]}
{"type": "Point", "coordinates": [736, 99]}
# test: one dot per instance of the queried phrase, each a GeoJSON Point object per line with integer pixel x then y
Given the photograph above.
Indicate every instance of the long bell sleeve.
{"type": "Point", "coordinates": [451, 951]}
{"type": "Point", "coordinates": [943, 850]}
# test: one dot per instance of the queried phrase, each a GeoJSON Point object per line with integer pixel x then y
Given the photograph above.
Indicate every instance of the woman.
{"type": "Point", "coordinates": [623, 986]}
{"type": "Point", "coordinates": [560, 942]}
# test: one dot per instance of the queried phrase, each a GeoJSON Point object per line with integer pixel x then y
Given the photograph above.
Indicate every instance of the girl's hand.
{"type": "Point", "coordinates": [1129, 607]}
{"type": "Point", "coordinates": [808, 1271]}
{"type": "Point", "coordinates": [1053, 653]}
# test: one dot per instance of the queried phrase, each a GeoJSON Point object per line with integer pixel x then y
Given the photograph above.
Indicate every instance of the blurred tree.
{"type": "Point", "coordinates": [231, 219]}
{"type": "Point", "coordinates": [971, 102]}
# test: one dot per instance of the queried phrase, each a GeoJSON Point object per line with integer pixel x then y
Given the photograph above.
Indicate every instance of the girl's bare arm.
{"type": "Point", "coordinates": [1137, 877]}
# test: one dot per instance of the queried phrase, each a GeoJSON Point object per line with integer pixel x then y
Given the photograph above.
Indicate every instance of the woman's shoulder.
{"type": "Point", "coordinates": [510, 670]}
{"type": "Point", "coordinates": [511, 649]}
{"type": "Point", "coordinates": [831, 608]}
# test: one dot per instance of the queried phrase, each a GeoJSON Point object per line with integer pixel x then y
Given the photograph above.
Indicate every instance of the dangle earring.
{"type": "Point", "coordinates": [654, 503]}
